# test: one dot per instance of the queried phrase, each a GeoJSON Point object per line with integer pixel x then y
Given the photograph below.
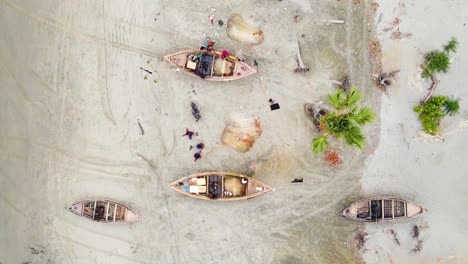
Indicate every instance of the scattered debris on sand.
{"type": "Point", "coordinates": [240, 30]}
{"type": "Point", "coordinates": [153, 73]}
{"type": "Point", "coordinates": [195, 111]}
{"type": "Point", "coordinates": [148, 71]}
{"type": "Point", "coordinates": [395, 22]}
{"type": "Point", "coordinates": [315, 112]}
{"type": "Point", "coordinates": [397, 34]}
{"type": "Point", "coordinates": [156, 17]}
{"type": "Point", "coordinates": [297, 18]}
{"type": "Point", "coordinates": [273, 105]}
{"type": "Point", "coordinates": [415, 232]}
{"type": "Point", "coordinates": [300, 64]}
{"type": "Point", "coordinates": [384, 80]}
{"type": "Point", "coordinates": [360, 239]}
{"type": "Point", "coordinates": [394, 234]}
{"type": "Point", "coordinates": [333, 159]}
{"type": "Point", "coordinates": [423, 136]}
{"type": "Point", "coordinates": [37, 250]}
{"type": "Point", "coordinates": [375, 51]}
{"type": "Point", "coordinates": [418, 247]}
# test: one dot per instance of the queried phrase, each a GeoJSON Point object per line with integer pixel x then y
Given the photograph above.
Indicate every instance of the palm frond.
{"type": "Point", "coordinates": [337, 99]}
{"type": "Point", "coordinates": [363, 116]}
{"type": "Point", "coordinates": [353, 136]}
{"type": "Point", "coordinates": [352, 97]}
{"type": "Point", "coordinates": [319, 144]}
{"type": "Point", "coordinates": [452, 106]}
{"type": "Point", "coordinates": [451, 45]}
{"type": "Point", "coordinates": [335, 124]}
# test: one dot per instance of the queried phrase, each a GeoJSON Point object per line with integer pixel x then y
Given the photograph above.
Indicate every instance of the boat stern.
{"type": "Point", "coordinates": [344, 212]}
{"type": "Point", "coordinates": [76, 208]}
{"type": "Point", "coordinates": [413, 209]}
{"type": "Point", "coordinates": [131, 217]}
{"type": "Point", "coordinates": [178, 59]}
{"type": "Point", "coordinates": [242, 70]}
{"type": "Point", "coordinates": [350, 211]}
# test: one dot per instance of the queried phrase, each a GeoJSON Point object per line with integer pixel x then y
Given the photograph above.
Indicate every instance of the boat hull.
{"type": "Point", "coordinates": [382, 209]}
{"type": "Point", "coordinates": [231, 186]}
{"type": "Point", "coordinates": [104, 211]}
{"type": "Point", "coordinates": [237, 69]}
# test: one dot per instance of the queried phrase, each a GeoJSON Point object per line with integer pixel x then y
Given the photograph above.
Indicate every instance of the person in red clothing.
{"type": "Point", "coordinates": [189, 133]}
{"type": "Point", "coordinates": [224, 54]}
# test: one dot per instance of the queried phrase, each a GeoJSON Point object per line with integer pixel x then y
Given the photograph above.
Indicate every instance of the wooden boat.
{"type": "Point", "coordinates": [104, 211]}
{"type": "Point", "coordinates": [382, 209]}
{"type": "Point", "coordinates": [209, 65]}
{"type": "Point", "coordinates": [220, 186]}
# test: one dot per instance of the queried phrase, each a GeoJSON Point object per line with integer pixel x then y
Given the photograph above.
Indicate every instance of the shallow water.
{"type": "Point", "coordinates": [76, 98]}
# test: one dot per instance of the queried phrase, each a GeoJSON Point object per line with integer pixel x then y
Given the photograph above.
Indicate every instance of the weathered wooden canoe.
{"type": "Point", "coordinates": [208, 65]}
{"type": "Point", "coordinates": [382, 209]}
{"type": "Point", "coordinates": [104, 211]}
{"type": "Point", "coordinates": [220, 186]}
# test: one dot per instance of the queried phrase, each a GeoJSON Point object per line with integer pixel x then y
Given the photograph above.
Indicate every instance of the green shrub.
{"type": "Point", "coordinates": [430, 114]}
{"type": "Point", "coordinates": [451, 106]}
{"type": "Point", "coordinates": [438, 61]}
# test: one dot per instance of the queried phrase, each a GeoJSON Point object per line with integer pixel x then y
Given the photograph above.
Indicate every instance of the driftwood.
{"type": "Point", "coordinates": [336, 21]}
{"type": "Point", "coordinates": [141, 128]}
{"type": "Point", "coordinates": [300, 64]}
{"type": "Point", "coordinates": [431, 90]}
{"type": "Point", "coordinates": [143, 69]}
{"type": "Point", "coordinates": [344, 84]}
{"type": "Point", "coordinates": [383, 80]}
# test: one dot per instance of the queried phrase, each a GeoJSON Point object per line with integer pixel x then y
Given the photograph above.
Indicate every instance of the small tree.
{"type": "Point", "coordinates": [438, 61]}
{"type": "Point", "coordinates": [344, 122]}
{"type": "Point", "coordinates": [432, 109]}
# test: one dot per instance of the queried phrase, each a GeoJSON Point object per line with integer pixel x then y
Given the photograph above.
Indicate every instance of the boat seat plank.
{"type": "Point", "coordinates": [388, 209]}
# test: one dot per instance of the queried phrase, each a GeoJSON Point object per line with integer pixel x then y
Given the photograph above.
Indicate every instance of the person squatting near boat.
{"type": "Point", "coordinates": [197, 155]}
